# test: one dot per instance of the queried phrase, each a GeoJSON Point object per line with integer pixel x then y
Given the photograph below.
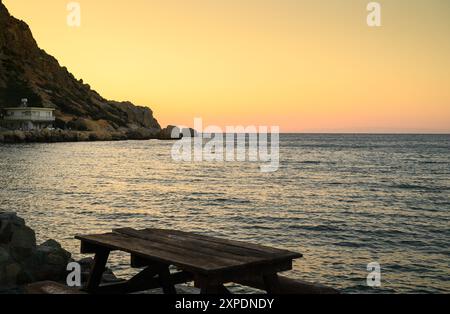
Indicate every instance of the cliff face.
{"type": "Point", "coordinates": [26, 71]}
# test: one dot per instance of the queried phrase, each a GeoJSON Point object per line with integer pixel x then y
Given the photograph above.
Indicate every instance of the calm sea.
{"type": "Point", "coordinates": [343, 201]}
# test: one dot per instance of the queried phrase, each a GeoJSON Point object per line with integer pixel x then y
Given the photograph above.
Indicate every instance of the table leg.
{"type": "Point", "coordinates": [213, 289]}
{"type": "Point", "coordinates": [272, 284]}
{"type": "Point", "coordinates": [210, 285]}
{"type": "Point", "coordinates": [166, 280]}
{"type": "Point", "coordinates": [95, 277]}
{"type": "Point", "coordinates": [223, 290]}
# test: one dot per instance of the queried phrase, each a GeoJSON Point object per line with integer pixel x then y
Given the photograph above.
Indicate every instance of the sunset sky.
{"type": "Point", "coordinates": [305, 65]}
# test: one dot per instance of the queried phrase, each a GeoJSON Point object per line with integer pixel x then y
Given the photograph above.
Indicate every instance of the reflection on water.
{"type": "Point", "coordinates": [342, 200]}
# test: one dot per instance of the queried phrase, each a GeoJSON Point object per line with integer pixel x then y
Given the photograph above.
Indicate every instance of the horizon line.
{"type": "Point", "coordinates": [341, 133]}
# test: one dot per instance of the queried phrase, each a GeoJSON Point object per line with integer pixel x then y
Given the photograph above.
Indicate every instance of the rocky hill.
{"type": "Point", "coordinates": [26, 71]}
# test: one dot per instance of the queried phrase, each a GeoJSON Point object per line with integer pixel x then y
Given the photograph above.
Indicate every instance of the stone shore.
{"type": "Point", "coordinates": [23, 261]}
{"type": "Point", "coordinates": [57, 136]}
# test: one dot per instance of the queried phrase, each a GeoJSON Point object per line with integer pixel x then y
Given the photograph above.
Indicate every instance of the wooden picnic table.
{"type": "Point", "coordinates": [208, 261]}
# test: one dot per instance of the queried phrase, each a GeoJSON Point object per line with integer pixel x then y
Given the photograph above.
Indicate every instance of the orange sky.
{"type": "Point", "coordinates": [307, 66]}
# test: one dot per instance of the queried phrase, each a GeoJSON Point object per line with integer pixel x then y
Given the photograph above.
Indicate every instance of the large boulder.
{"type": "Point", "coordinates": [4, 256]}
{"type": "Point", "coordinates": [52, 260]}
{"type": "Point", "coordinates": [10, 223]}
{"type": "Point", "coordinates": [23, 243]}
{"type": "Point", "coordinates": [10, 274]}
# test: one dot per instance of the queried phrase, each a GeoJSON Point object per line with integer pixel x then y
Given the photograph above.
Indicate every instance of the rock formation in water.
{"type": "Point", "coordinates": [172, 132]}
{"type": "Point", "coordinates": [26, 71]}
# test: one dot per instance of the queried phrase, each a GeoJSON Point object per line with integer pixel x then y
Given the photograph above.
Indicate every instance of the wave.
{"type": "Point", "coordinates": [316, 228]}
{"type": "Point", "coordinates": [405, 186]}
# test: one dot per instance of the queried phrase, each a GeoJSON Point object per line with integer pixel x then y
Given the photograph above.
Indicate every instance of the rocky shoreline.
{"type": "Point", "coordinates": [58, 136]}
{"type": "Point", "coordinates": [23, 261]}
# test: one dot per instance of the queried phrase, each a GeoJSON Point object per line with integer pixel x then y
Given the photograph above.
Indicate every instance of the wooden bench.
{"type": "Point", "coordinates": [208, 261]}
{"type": "Point", "coordinates": [292, 286]}
{"type": "Point", "coordinates": [50, 287]}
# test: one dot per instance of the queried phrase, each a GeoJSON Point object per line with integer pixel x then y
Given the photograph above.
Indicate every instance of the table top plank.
{"type": "Point", "coordinates": [236, 251]}
{"type": "Point", "coordinates": [193, 249]}
{"type": "Point", "coordinates": [190, 252]}
{"type": "Point", "coordinates": [221, 241]}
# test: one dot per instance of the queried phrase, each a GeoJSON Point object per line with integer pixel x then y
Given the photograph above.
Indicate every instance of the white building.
{"type": "Point", "coordinates": [28, 118]}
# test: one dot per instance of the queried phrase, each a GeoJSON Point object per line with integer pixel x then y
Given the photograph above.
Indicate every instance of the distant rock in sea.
{"type": "Point", "coordinates": [175, 133]}
{"type": "Point", "coordinates": [26, 71]}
